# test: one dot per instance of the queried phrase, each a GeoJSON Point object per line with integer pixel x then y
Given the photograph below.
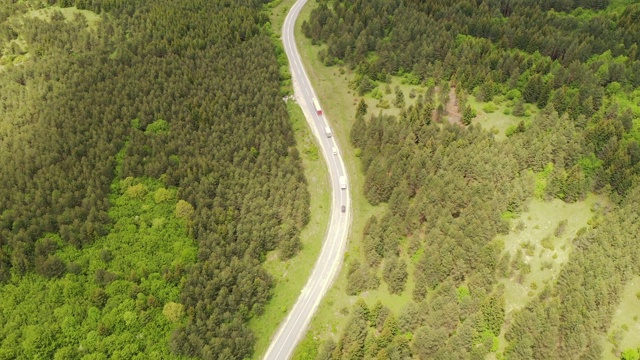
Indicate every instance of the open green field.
{"type": "Point", "coordinates": [625, 324]}
{"type": "Point", "coordinates": [291, 275]}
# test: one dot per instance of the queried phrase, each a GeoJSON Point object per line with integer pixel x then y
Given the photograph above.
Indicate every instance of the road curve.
{"type": "Point", "coordinates": [292, 330]}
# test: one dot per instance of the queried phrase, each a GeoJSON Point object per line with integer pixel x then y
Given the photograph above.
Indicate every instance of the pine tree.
{"type": "Point", "coordinates": [518, 108]}
{"type": "Point", "coordinates": [361, 111]}
{"type": "Point", "coordinates": [399, 100]}
{"type": "Point", "coordinates": [468, 115]}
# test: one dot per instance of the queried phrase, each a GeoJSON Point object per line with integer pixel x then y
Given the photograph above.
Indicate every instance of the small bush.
{"type": "Point", "coordinates": [561, 228]}
{"type": "Point", "coordinates": [376, 94]}
{"type": "Point", "coordinates": [489, 108]}
{"type": "Point", "coordinates": [383, 104]}
{"type": "Point", "coordinates": [547, 243]}
{"type": "Point", "coordinates": [513, 94]}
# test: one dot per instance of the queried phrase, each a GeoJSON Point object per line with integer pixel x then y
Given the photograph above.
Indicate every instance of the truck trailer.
{"type": "Point", "coordinates": [316, 105]}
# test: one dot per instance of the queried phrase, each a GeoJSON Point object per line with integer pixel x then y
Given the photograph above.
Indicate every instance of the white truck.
{"type": "Point", "coordinates": [316, 105]}
{"type": "Point", "coordinates": [343, 182]}
{"type": "Point", "coordinates": [327, 131]}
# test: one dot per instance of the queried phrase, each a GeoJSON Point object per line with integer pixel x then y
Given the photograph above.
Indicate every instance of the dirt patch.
{"type": "Point", "coordinates": [453, 111]}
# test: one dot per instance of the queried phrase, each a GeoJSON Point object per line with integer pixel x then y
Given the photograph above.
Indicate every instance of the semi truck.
{"type": "Point", "coordinates": [316, 105]}
{"type": "Point", "coordinates": [343, 182]}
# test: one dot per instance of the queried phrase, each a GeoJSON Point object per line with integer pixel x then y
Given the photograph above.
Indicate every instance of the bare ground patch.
{"type": "Point", "coordinates": [453, 110]}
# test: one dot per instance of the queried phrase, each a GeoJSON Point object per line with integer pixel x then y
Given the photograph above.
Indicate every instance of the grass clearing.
{"type": "Point", "coordinates": [382, 98]}
{"type": "Point", "coordinates": [291, 275]}
{"type": "Point", "coordinates": [278, 10]}
{"type": "Point", "coordinates": [543, 236]}
{"type": "Point", "coordinates": [545, 244]}
{"type": "Point", "coordinates": [497, 121]}
{"type": "Point", "coordinates": [68, 12]}
{"type": "Point", "coordinates": [625, 323]}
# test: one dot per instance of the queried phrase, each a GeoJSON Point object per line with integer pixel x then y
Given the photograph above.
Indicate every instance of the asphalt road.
{"type": "Point", "coordinates": [292, 330]}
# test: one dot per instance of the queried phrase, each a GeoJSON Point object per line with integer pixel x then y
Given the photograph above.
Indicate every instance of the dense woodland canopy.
{"type": "Point", "coordinates": [188, 93]}
{"type": "Point", "coordinates": [450, 189]}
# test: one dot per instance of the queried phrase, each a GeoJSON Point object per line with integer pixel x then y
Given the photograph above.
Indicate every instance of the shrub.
{"type": "Point", "coordinates": [561, 228]}
{"type": "Point", "coordinates": [376, 94]}
{"type": "Point", "coordinates": [383, 104]}
{"type": "Point", "coordinates": [489, 107]}
{"type": "Point", "coordinates": [547, 243]}
{"type": "Point", "coordinates": [513, 94]}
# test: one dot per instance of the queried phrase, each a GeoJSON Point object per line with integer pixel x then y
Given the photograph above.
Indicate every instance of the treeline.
{"type": "Point", "coordinates": [193, 86]}
{"type": "Point", "coordinates": [424, 37]}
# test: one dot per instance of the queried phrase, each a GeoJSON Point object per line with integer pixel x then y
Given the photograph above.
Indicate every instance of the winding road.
{"type": "Point", "coordinates": [292, 330]}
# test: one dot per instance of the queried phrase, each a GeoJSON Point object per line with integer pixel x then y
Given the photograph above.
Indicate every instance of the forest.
{"type": "Point", "coordinates": [452, 190]}
{"type": "Point", "coordinates": [144, 178]}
